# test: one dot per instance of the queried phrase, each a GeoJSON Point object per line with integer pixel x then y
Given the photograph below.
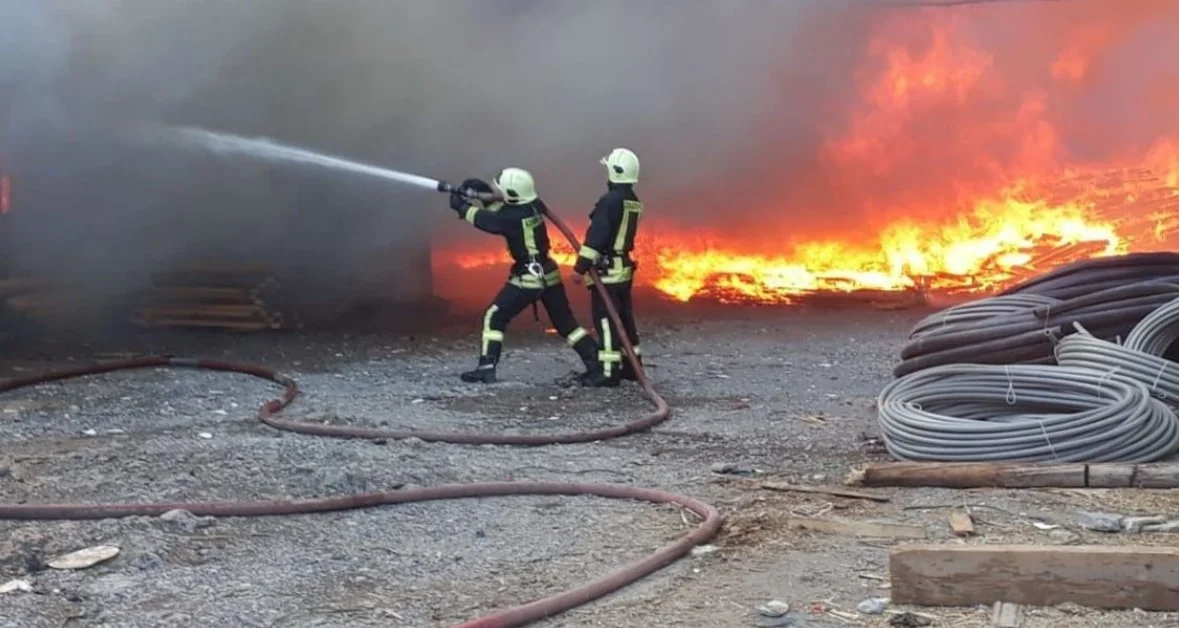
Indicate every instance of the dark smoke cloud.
{"type": "Point", "coordinates": [447, 88]}
{"type": "Point", "coordinates": [729, 103]}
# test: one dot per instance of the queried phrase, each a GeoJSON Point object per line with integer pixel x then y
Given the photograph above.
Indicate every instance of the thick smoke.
{"type": "Point", "coordinates": [448, 89]}
{"type": "Point", "coordinates": [734, 106]}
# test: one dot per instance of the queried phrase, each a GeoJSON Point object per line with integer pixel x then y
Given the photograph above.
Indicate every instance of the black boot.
{"type": "Point", "coordinates": [628, 372]}
{"type": "Point", "coordinates": [593, 376]}
{"type": "Point", "coordinates": [483, 374]}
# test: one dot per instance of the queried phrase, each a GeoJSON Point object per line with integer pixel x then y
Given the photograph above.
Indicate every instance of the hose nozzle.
{"type": "Point", "coordinates": [467, 193]}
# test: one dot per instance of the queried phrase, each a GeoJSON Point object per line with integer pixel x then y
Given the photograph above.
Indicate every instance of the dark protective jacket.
{"type": "Point", "coordinates": [614, 222]}
{"type": "Point", "coordinates": [523, 229]}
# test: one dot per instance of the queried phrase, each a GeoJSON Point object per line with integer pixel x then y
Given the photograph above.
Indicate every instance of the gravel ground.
{"type": "Point", "coordinates": [757, 394]}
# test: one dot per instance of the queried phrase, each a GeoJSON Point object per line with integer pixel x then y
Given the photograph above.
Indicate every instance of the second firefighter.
{"type": "Point", "coordinates": [607, 247]}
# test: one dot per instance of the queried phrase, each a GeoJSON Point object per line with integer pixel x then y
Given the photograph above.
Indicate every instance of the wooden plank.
{"type": "Point", "coordinates": [1007, 615]}
{"type": "Point", "coordinates": [961, 524]}
{"type": "Point", "coordinates": [819, 490]}
{"type": "Point", "coordinates": [972, 475]}
{"type": "Point", "coordinates": [1155, 476]}
{"type": "Point", "coordinates": [1014, 475]}
{"type": "Point", "coordinates": [1111, 475]}
{"type": "Point", "coordinates": [1094, 576]}
{"type": "Point", "coordinates": [858, 528]}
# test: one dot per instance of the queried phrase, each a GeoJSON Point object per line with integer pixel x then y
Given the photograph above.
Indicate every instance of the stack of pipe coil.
{"type": "Point", "coordinates": [1071, 366]}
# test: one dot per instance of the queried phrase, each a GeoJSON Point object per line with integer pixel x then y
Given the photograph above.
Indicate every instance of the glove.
{"type": "Point", "coordinates": [458, 203]}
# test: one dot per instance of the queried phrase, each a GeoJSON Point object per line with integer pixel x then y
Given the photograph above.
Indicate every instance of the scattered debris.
{"type": "Point", "coordinates": [84, 558]}
{"type": "Point", "coordinates": [1007, 615]}
{"type": "Point", "coordinates": [774, 608]}
{"type": "Point", "coordinates": [873, 606]}
{"type": "Point", "coordinates": [1136, 524]}
{"type": "Point", "coordinates": [1100, 521]}
{"type": "Point", "coordinates": [858, 528]}
{"type": "Point", "coordinates": [13, 586]}
{"type": "Point", "coordinates": [910, 620]}
{"type": "Point", "coordinates": [1061, 536]}
{"type": "Point", "coordinates": [1170, 526]}
{"type": "Point", "coordinates": [728, 468]}
{"type": "Point", "coordinates": [834, 492]}
{"type": "Point", "coordinates": [961, 524]}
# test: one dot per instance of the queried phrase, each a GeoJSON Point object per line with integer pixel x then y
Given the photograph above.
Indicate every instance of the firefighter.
{"type": "Point", "coordinates": [607, 247]}
{"type": "Point", "coordinates": [533, 277]}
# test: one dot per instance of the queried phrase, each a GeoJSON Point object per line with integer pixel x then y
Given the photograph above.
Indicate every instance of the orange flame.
{"type": "Point", "coordinates": [999, 231]}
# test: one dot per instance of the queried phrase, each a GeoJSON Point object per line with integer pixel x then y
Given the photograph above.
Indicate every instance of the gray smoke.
{"type": "Point", "coordinates": [447, 89]}
{"type": "Point", "coordinates": [727, 102]}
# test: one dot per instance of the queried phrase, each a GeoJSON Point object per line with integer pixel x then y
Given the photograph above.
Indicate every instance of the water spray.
{"type": "Point", "coordinates": [265, 148]}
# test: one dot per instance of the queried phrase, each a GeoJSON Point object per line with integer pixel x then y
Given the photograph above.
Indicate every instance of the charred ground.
{"type": "Point", "coordinates": [779, 394]}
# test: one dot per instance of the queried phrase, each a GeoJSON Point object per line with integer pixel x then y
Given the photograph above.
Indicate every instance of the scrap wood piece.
{"type": "Point", "coordinates": [961, 524]}
{"type": "Point", "coordinates": [819, 490]}
{"type": "Point", "coordinates": [1007, 615]}
{"type": "Point", "coordinates": [858, 528]}
{"type": "Point", "coordinates": [1016, 475]}
{"type": "Point", "coordinates": [1093, 575]}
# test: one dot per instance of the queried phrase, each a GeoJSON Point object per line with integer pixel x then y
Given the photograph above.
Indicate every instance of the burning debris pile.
{"type": "Point", "coordinates": [237, 299]}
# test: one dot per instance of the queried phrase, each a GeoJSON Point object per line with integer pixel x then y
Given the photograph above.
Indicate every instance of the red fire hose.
{"type": "Point", "coordinates": [268, 414]}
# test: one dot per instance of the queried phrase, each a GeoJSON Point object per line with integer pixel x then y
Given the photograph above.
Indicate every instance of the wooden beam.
{"type": "Point", "coordinates": [1017, 475]}
{"type": "Point", "coordinates": [1093, 576]}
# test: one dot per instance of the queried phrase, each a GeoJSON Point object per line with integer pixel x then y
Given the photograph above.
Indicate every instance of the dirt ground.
{"type": "Point", "coordinates": [758, 395]}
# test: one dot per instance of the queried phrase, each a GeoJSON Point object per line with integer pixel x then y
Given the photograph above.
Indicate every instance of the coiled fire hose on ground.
{"type": "Point", "coordinates": [268, 414]}
{"type": "Point", "coordinates": [1102, 402]}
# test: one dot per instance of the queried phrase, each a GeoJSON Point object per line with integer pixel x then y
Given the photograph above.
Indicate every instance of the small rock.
{"type": "Point", "coordinates": [703, 550]}
{"type": "Point", "coordinates": [1061, 536]}
{"type": "Point", "coordinates": [13, 586]}
{"type": "Point", "coordinates": [1100, 521]}
{"type": "Point", "coordinates": [1135, 524]}
{"type": "Point", "coordinates": [1170, 526]}
{"type": "Point", "coordinates": [785, 621]}
{"type": "Point", "coordinates": [774, 608]}
{"type": "Point", "coordinates": [186, 520]}
{"type": "Point", "coordinates": [872, 606]}
{"type": "Point", "coordinates": [84, 558]}
{"type": "Point", "coordinates": [176, 514]}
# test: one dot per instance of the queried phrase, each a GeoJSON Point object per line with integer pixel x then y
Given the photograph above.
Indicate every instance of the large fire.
{"type": "Point", "coordinates": [972, 206]}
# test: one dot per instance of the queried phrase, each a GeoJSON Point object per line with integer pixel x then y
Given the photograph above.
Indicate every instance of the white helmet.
{"type": "Point", "coordinates": [516, 185]}
{"type": "Point", "coordinates": [622, 166]}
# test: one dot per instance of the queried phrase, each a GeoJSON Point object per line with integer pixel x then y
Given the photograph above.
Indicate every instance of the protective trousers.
{"type": "Point", "coordinates": [614, 365]}
{"type": "Point", "coordinates": [512, 299]}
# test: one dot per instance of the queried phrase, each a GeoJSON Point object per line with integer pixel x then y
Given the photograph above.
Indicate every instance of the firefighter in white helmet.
{"type": "Point", "coordinates": [534, 276]}
{"type": "Point", "coordinates": [607, 246]}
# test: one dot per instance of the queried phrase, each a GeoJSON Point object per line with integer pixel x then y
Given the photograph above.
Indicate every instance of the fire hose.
{"type": "Point", "coordinates": [268, 414]}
